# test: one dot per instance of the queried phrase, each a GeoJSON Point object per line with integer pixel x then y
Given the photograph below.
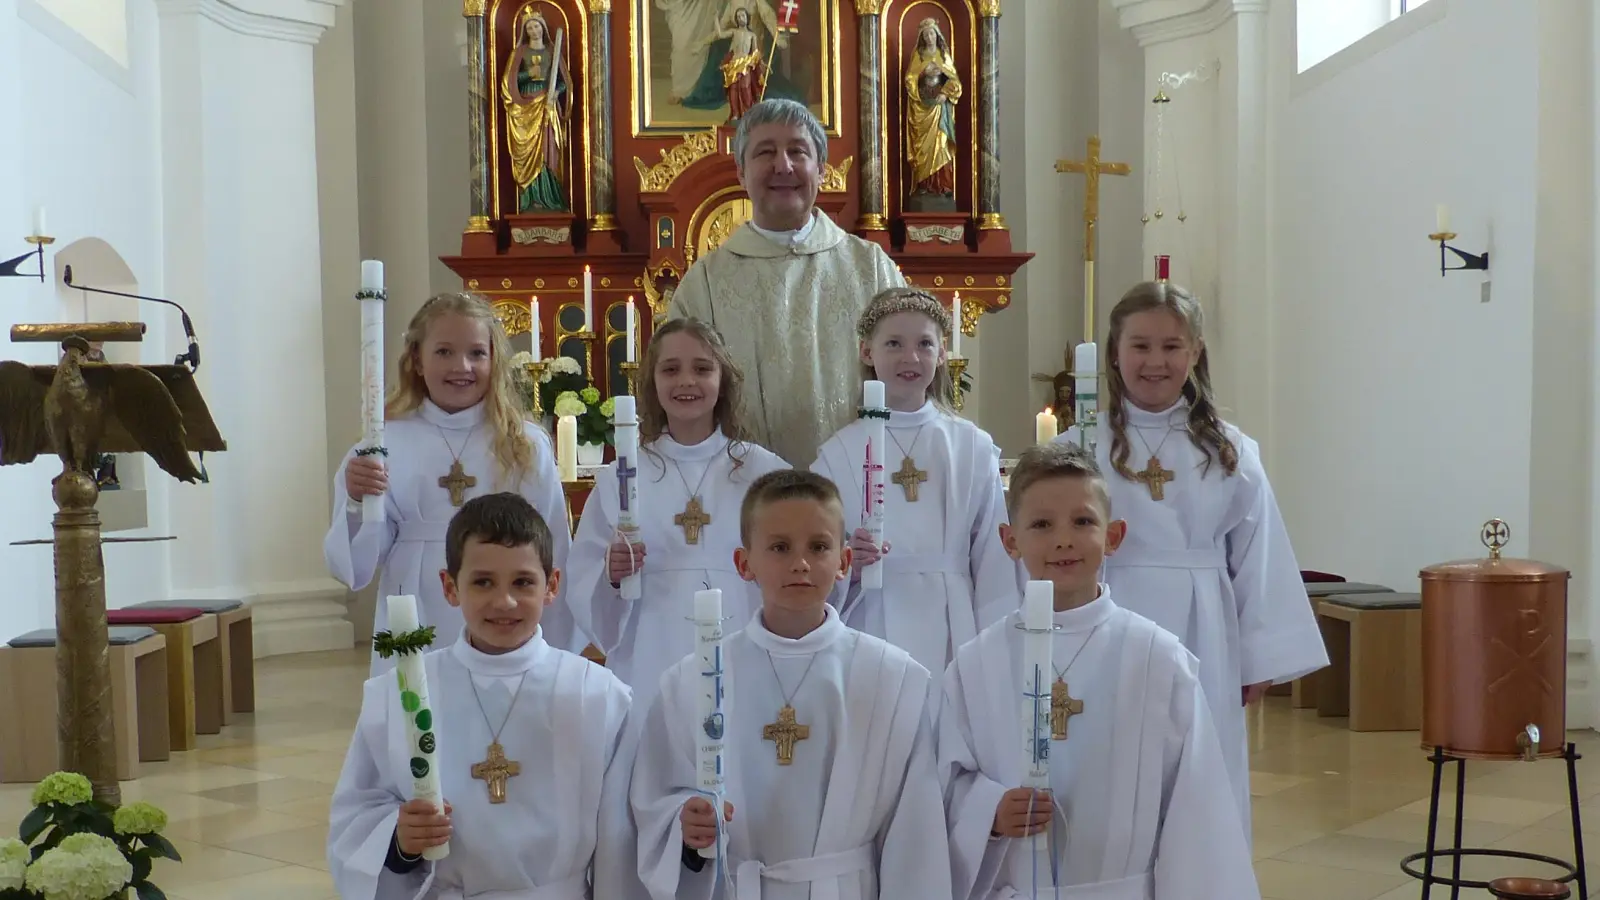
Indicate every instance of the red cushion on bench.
{"type": "Point", "coordinates": [1309, 577]}
{"type": "Point", "coordinates": [168, 616]}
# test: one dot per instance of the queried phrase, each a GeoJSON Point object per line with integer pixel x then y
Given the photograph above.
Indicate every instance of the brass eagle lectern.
{"type": "Point", "coordinates": [79, 409]}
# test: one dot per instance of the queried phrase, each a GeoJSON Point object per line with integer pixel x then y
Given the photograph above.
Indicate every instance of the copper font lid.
{"type": "Point", "coordinates": [1495, 535]}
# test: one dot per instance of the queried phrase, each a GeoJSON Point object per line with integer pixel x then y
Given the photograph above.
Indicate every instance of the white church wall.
{"type": "Point", "coordinates": [85, 144]}
{"type": "Point", "coordinates": [1400, 402]}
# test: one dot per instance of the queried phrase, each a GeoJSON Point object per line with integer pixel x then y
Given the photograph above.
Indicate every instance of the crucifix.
{"type": "Point", "coordinates": [625, 474]}
{"type": "Point", "coordinates": [1062, 708]}
{"type": "Point", "coordinates": [457, 483]}
{"type": "Point", "coordinates": [691, 520]}
{"type": "Point", "coordinates": [784, 733]}
{"type": "Point", "coordinates": [909, 477]}
{"type": "Point", "coordinates": [1155, 478]}
{"type": "Point", "coordinates": [1091, 168]}
{"type": "Point", "coordinates": [495, 770]}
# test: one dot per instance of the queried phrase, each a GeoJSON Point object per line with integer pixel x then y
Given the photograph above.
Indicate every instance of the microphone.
{"type": "Point", "coordinates": [192, 357]}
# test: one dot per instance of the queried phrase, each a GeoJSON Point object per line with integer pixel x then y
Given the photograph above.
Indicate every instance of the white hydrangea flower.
{"type": "Point", "coordinates": [83, 867]}
{"type": "Point", "coordinates": [13, 864]}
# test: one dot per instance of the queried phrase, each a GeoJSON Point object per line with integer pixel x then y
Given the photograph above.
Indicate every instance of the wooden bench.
{"type": "Point", "coordinates": [1374, 674]}
{"type": "Point", "coordinates": [1303, 692]}
{"type": "Point", "coordinates": [194, 668]}
{"type": "Point", "coordinates": [237, 630]}
{"type": "Point", "coordinates": [138, 658]}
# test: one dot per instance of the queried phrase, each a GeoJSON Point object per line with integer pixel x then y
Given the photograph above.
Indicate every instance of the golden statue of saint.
{"type": "Point", "coordinates": [933, 87]}
{"type": "Point", "coordinates": [537, 95]}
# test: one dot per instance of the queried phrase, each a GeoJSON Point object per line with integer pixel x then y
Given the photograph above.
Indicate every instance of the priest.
{"type": "Point", "coordinates": [786, 288]}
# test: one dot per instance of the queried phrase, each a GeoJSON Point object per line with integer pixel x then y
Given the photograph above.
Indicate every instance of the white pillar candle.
{"type": "Point", "coordinates": [1086, 378]}
{"type": "Point", "coordinates": [38, 223]}
{"type": "Point", "coordinates": [372, 299]}
{"type": "Point", "coordinates": [1038, 619]}
{"type": "Point", "coordinates": [588, 300]}
{"type": "Point", "coordinates": [414, 703]}
{"type": "Point", "coordinates": [631, 338]}
{"type": "Point", "coordinates": [872, 513]}
{"type": "Point", "coordinates": [567, 448]}
{"type": "Point", "coordinates": [1441, 219]}
{"type": "Point", "coordinates": [955, 327]}
{"type": "Point", "coordinates": [1045, 427]}
{"type": "Point", "coordinates": [711, 727]}
{"type": "Point", "coordinates": [625, 418]}
{"type": "Point", "coordinates": [533, 328]}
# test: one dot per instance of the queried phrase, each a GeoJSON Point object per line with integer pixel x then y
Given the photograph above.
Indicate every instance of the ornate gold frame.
{"type": "Point", "coordinates": [495, 112]}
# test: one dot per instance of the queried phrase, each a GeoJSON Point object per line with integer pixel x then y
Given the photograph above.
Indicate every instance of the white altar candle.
{"type": "Point", "coordinates": [872, 515]}
{"type": "Point", "coordinates": [626, 420]}
{"type": "Point", "coordinates": [714, 685]}
{"type": "Point", "coordinates": [372, 298]}
{"type": "Point", "coordinates": [631, 339]}
{"type": "Point", "coordinates": [533, 328]}
{"type": "Point", "coordinates": [413, 679]}
{"type": "Point", "coordinates": [1038, 619]}
{"type": "Point", "coordinates": [1045, 427]}
{"type": "Point", "coordinates": [1441, 219]}
{"type": "Point", "coordinates": [1086, 378]}
{"type": "Point", "coordinates": [588, 299]}
{"type": "Point", "coordinates": [955, 327]}
{"type": "Point", "coordinates": [567, 448]}
{"type": "Point", "coordinates": [38, 223]}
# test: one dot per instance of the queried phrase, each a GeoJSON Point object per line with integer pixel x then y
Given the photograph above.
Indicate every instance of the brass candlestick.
{"type": "Point", "coordinates": [536, 370]}
{"type": "Point", "coordinates": [958, 367]}
{"type": "Point", "coordinates": [588, 351]}
{"type": "Point", "coordinates": [631, 369]}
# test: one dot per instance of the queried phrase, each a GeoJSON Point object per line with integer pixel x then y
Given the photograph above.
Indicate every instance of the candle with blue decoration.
{"type": "Point", "coordinates": [626, 419]}
{"type": "Point", "coordinates": [1038, 621]}
{"type": "Point", "coordinates": [408, 640]}
{"type": "Point", "coordinates": [714, 687]}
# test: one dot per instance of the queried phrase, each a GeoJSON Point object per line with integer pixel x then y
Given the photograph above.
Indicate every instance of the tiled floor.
{"type": "Point", "coordinates": [1334, 811]}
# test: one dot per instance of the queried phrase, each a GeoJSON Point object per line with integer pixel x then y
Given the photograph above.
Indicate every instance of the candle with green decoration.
{"type": "Point", "coordinates": [408, 640]}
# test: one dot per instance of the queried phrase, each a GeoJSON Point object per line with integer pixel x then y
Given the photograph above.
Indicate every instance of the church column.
{"type": "Point", "coordinates": [869, 28]}
{"type": "Point", "coordinates": [603, 188]}
{"type": "Point", "coordinates": [243, 253]}
{"type": "Point", "coordinates": [478, 113]}
{"type": "Point", "coordinates": [989, 218]}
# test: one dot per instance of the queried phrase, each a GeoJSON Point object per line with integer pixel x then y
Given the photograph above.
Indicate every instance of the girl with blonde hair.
{"type": "Point", "coordinates": [454, 429]}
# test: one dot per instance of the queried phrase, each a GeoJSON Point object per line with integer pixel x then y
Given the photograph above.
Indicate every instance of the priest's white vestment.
{"type": "Point", "coordinates": [1211, 563]}
{"type": "Point", "coordinates": [563, 728]}
{"type": "Point", "coordinates": [788, 311]}
{"type": "Point", "coordinates": [409, 545]}
{"type": "Point", "coordinates": [1146, 811]}
{"type": "Point", "coordinates": [643, 638]}
{"type": "Point", "coordinates": [857, 815]}
{"type": "Point", "coordinates": [947, 575]}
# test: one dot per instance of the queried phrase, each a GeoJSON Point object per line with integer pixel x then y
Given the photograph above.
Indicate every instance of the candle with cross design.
{"type": "Point", "coordinates": [714, 687]}
{"type": "Point", "coordinates": [625, 417]}
{"type": "Point", "coordinates": [876, 413]}
{"type": "Point", "coordinates": [1034, 712]}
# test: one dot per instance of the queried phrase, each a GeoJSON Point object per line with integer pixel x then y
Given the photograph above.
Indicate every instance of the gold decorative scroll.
{"type": "Point", "coordinates": [927, 234]}
{"type": "Point", "coordinates": [118, 332]}
{"type": "Point", "coordinates": [989, 9]}
{"type": "Point", "coordinates": [833, 179]}
{"type": "Point", "coordinates": [472, 9]}
{"type": "Point", "coordinates": [516, 316]}
{"type": "Point", "coordinates": [675, 161]}
{"type": "Point", "coordinates": [655, 296]}
{"type": "Point", "coordinates": [540, 234]}
{"type": "Point", "coordinates": [870, 7]}
{"type": "Point", "coordinates": [970, 311]}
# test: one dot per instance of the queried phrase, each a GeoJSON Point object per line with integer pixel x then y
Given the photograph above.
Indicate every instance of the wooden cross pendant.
{"type": "Point", "coordinates": [457, 483]}
{"type": "Point", "coordinates": [691, 520]}
{"type": "Point", "coordinates": [1062, 708]}
{"type": "Point", "coordinates": [909, 477]}
{"type": "Point", "coordinates": [495, 770]}
{"type": "Point", "coordinates": [1155, 478]}
{"type": "Point", "coordinates": [784, 733]}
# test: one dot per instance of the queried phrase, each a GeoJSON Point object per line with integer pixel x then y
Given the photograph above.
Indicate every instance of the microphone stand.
{"type": "Point", "coordinates": [192, 358]}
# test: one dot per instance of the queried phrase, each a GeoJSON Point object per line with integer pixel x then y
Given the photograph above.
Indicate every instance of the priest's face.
{"type": "Point", "coordinates": [688, 382]}
{"type": "Point", "coordinates": [501, 592]}
{"type": "Point", "coordinates": [1155, 355]}
{"type": "Point", "coordinates": [781, 174]}
{"type": "Point", "coordinates": [454, 358]}
{"type": "Point", "coordinates": [795, 554]}
{"type": "Point", "coordinates": [1061, 532]}
{"type": "Point", "coordinates": [905, 352]}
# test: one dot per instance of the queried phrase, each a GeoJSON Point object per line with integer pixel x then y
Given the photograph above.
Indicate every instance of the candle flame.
{"type": "Point", "coordinates": [1047, 410]}
{"type": "Point", "coordinates": [586, 269]}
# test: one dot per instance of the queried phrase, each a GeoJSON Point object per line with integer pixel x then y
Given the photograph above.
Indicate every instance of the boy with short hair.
{"type": "Point", "coordinates": [556, 718]}
{"type": "Point", "coordinates": [829, 756]}
{"type": "Point", "coordinates": [1140, 805]}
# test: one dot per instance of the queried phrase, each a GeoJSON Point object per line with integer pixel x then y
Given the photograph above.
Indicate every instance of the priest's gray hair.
{"type": "Point", "coordinates": [779, 111]}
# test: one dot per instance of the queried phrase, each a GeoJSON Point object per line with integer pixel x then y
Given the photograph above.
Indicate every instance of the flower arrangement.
{"type": "Point", "coordinates": [561, 374]}
{"type": "Point", "coordinates": [592, 413]}
{"type": "Point", "coordinates": [74, 847]}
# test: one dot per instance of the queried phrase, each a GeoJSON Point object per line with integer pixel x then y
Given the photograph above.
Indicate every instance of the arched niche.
{"type": "Point", "coordinates": [123, 505]}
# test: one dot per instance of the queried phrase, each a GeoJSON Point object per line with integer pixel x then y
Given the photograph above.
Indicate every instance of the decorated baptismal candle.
{"type": "Point", "coordinates": [409, 641]}
{"type": "Point", "coordinates": [876, 413]}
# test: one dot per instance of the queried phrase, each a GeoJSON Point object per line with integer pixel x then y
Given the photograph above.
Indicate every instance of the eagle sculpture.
{"type": "Point", "coordinates": [71, 408]}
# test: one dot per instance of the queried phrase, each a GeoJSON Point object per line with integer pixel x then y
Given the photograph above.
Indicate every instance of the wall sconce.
{"type": "Point", "coordinates": [10, 268]}
{"type": "Point", "coordinates": [1444, 236]}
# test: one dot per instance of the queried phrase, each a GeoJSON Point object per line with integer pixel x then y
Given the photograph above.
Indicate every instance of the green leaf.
{"type": "Point", "coordinates": [162, 846]}
{"type": "Point", "coordinates": [34, 824]}
{"type": "Point", "coordinates": [148, 891]}
{"type": "Point", "coordinates": [141, 866]}
{"type": "Point", "coordinates": [387, 644]}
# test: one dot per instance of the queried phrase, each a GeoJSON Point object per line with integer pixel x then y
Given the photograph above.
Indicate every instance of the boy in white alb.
{"type": "Point", "coordinates": [1139, 806]}
{"type": "Point", "coordinates": [527, 744]}
{"type": "Point", "coordinates": [830, 785]}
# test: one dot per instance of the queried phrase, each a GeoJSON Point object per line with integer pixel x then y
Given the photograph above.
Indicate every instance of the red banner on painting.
{"type": "Point", "coordinates": [789, 16]}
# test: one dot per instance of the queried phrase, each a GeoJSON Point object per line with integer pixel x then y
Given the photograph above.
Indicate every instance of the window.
{"type": "Point", "coordinates": [1399, 8]}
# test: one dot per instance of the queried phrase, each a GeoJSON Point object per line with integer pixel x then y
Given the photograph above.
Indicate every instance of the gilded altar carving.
{"type": "Point", "coordinates": [925, 234]}
{"type": "Point", "coordinates": [472, 9]}
{"type": "Point", "coordinates": [599, 7]}
{"type": "Point", "coordinates": [833, 177]}
{"type": "Point", "coordinates": [989, 9]}
{"type": "Point", "coordinates": [870, 7]}
{"type": "Point", "coordinates": [515, 316]}
{"type": "Point", "coordinates": [675, 161]}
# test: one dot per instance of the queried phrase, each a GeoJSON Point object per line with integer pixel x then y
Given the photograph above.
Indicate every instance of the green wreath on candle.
{"type": "Point", "coordinates": [387, 644]}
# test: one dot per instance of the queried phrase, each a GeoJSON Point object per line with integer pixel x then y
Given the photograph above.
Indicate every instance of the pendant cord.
{"type": "Point", "coordinates": [473, 683]}
{"type": "Point", "coordinates": [789, 700]}
{"type": "Point", "coordinates": [454, 456]}
{"type": "Point", "coordinates": [1062, 673]}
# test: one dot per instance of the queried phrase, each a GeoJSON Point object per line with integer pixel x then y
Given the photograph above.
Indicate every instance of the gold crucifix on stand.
{"type": "Point", "coordinates": [1091, 168]}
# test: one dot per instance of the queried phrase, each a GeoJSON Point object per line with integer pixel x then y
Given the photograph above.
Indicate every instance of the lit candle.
{"type": "Point", "coordinates": [372, 299]}
{"type": "Point", "coordinates": [625, 417]}
{"type": "Point", "coordinates": [955, 327]}
{"type": "Point", "coordinates": [567, 447]}
{"type": "Point", "coordinates": [533, 327]}
{"type": "Point", "coordinates": [1045, 427]}
{"type": "Point", "coordinates": [588, 299]}
{"type": "Point", "coordinates": [711, 727]}
{"type": "Point", "coordinates": [414, 703]}
{"type": "Point", "coordinates": [38, 222]}
{"type": "Point", "coordinates": [872, 515]}
{"type": "Point", "coordinates": [1441, 219]}
{"type": "Point", "coordinates": [1038, 620]}
{"type": "Point", "coordinates": [632, 325]}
